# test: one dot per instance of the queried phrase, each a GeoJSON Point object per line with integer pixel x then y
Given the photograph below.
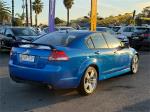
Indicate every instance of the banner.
{"type": "Point", "coordinates": [93, 15]}
{"type": "Point", "coordinates": [52, 15]}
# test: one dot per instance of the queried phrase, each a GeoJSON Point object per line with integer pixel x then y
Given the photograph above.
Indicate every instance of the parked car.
{"type": "Point", "coordinates": [61, 28]}
{"type": "Point", "coordinates": [140, 39]}
{"type": "Point", "coordinates": [123, 38]}
{"type": "Point", "coordinates": [11, 34]}
{"type": "Point", "coordinates": [75, 59]}
{"type": "Point", "coordinates": [129, 30]}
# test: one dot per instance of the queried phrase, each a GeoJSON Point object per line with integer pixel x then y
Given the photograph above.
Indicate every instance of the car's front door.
{"type": "Point", "coordinates": [103, 54]}
{"type": "Point", "coordinates": [121, 56]}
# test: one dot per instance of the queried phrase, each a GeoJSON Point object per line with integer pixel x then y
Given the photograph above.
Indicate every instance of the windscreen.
{"type": "Point", "coordinates": [24, 32]}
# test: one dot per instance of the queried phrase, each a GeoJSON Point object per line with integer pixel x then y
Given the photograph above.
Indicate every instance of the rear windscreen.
{"type": "Point", "coordinates": [55, 39]}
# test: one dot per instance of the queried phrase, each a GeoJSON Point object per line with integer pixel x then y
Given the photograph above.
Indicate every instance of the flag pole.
{"type": "Point", "coordinates": [51, 19]}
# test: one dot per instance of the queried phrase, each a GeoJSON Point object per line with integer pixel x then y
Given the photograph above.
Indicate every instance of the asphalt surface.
{"type": "Point", "coordinates": [128, 93]}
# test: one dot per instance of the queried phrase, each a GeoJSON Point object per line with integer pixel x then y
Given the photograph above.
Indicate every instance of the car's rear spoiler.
{"type": "Point", "coordinates": [16, 44]}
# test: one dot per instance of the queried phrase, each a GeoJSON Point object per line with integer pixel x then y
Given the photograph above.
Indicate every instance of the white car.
{"type": "Point", "coordinates": [129, 30]}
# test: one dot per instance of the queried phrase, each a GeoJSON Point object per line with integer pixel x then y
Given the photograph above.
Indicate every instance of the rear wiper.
{"type": "Point", "coordinates": [16, 44]}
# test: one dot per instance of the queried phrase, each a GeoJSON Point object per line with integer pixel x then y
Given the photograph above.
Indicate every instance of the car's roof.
{"type": "Point", "coordinates": [76, 32]}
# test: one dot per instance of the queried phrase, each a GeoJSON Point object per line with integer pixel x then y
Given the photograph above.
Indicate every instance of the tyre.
{"type": "Point", "coordinates": [88, 82]}
{"type": "Point", "coordinates": [135, 64]}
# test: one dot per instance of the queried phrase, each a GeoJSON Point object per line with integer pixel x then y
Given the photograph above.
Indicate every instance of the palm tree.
{"type": "Point", "coordinates": [68, 4]}
{"type": "Point", "coordinates": [31, 12]}
{"type": "Point", "coordinates": [12, 20]}
{"type": "Point", "coordinates": [37, 7]}
{"type": "Point", "coordinates": [27, 21]}
{"type": "Point", "coordinates": [4, 12]}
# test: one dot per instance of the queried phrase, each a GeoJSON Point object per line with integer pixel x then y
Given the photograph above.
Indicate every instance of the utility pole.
{"type": "Point", "coordinates": [12, 20]}
{"type": "Point", "coordinates": [27, 21]}
{"type": "Point", "coordinates": [31, 12]}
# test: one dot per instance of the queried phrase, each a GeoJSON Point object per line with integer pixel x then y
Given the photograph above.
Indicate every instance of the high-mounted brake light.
{"type": "Point", "coordinates": [58, 56]}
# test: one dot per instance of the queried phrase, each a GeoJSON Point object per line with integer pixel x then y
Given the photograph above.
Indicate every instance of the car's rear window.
{"type": "Point", "coordinates": [56, 39]}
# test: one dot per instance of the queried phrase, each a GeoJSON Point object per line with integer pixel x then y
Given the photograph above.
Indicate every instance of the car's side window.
{"type": "Point", "coordinates": [99, 41]}
{"type": "Point", "coordinates": [8, 31]}
{"type": "Point", "coordinates": [90, 43]}
{"type": "Point", "coordinates": [112, 41]}
{"type": "Point", "coordinates": [2, 31]}
{"type": "Point", "coordinates": [128, 29]}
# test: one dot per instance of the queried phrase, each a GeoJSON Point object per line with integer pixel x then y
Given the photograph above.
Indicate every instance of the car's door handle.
{"type": "Point", "coordinates": [97, 52]}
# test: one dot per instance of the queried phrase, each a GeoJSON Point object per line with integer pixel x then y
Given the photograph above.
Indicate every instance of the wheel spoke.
{"type": "Point", "coordinates": [92, 74]}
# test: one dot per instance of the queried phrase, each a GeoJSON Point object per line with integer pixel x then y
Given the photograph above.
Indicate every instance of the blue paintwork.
{"type": "Point", "coordinates": [68, 74]}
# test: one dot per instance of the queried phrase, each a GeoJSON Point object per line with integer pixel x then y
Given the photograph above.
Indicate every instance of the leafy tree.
{"type": "Point", "coordinates": [146, 12]}
{"type": "Point", "coordinates": [37, 7]}
{"type": "Point", "coordinates": [18, 22]}
{"type": "Point", "coordinates": [4, 12]}
{"type": "Point", "coordinates": [68, 4]}
{"type": "Point", "coordinates": [58, 21]}
{"type": "Point", "coordinates": [20, 17]}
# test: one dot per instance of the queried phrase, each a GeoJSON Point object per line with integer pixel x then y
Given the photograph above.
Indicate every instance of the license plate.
{"type": "Point", "coordinates": [27, 58]}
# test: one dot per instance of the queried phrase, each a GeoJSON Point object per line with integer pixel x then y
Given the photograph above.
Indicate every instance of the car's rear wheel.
{"type": "Point", "coordinates": [89, 81]}
{"type": "Point", "coordinates": [135, 64]}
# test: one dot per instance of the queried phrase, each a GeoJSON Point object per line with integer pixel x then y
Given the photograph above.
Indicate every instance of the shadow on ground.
{"type": "Point", "coordinates": [143, 106]}
{"type": "Point", "coordinates": [20, 97]}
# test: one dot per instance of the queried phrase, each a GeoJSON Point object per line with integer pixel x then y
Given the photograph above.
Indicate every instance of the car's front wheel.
{"type": "Point", "coordinates": [135, 64]}
{"type": "Point", "coordinates": [89, 81]}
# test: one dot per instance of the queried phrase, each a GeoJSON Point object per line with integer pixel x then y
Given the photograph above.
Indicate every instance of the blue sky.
{"type": "Point", "coordinates": [82, 7]}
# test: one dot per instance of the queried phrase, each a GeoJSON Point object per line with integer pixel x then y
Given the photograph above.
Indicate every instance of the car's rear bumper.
{"type": "Point", "coordinates": [55, 76]}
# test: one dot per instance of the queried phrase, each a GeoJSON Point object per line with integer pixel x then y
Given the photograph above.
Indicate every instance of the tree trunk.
{"type": "Point", "coordinates": [27, 21]}
{"type": "Point", "coordinates": [36, 21]}
{"type": "Point", "coordinates": [12, 21]}
{"type": "Point", "coordinates": [68, 17]}
{"type": "Point", "coordinates": [31, 12]}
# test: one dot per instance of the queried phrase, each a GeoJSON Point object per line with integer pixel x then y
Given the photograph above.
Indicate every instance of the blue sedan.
{"type": "Point", "coordinates": [75, 59]}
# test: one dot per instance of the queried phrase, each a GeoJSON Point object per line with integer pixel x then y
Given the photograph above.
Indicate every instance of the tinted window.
{"type": "Point", "coordinates": [99, 41]}
{"type": "Point", "coordinates": [2, 31]}
{"type": "Point", "coordinates": [141, 30]}
{"type": "Point", "coordinates": [8, 31]}
{"type": "Point", "coordinates": [101, 29]}
{"type": "Point", "coordinates": [90, 43]}
{"type": "Point", "coordinates": [23, 32]}
{"type": "Point", "coordinates": [112, 41]}
{"type": "Point", "coordinates": [128, 29]}
{"type": "Point", "coordinates": [56, 38]}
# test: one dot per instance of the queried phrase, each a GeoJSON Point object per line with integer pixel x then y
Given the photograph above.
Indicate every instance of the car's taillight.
{"type": "Point", "coordinates": [58, 56]}
{"type": "Point", "coordinates": [146, 35]}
